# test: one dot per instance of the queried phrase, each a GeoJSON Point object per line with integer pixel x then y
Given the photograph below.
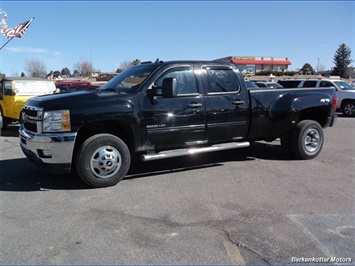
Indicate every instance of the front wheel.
{"type": "Point", "coordinates": [307, 139]}
{"type": "Point", "coordinates": [102, 160]}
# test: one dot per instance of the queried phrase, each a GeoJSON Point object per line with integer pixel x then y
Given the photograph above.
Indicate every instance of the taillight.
{"type": "Point", "coordinates": [335, 99]}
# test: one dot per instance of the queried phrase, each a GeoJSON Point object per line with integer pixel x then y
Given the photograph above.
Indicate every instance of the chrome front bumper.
{"type": "Point", "coordinates": [51, 151]}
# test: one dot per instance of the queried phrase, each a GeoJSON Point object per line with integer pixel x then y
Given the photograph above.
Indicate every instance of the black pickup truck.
{"type": "Point", "coordinates": [167, 109]}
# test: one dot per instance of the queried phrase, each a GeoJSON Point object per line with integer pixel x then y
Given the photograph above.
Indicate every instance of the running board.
{"type": "Point", "coordinates": [183, 152]}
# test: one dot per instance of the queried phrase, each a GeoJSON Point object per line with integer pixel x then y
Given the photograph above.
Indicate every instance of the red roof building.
{"type": "Point", "coordinates": [259, 63]}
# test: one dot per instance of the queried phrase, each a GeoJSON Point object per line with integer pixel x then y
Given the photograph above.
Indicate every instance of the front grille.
{"type": "Point", "coordinates": [32, 118]}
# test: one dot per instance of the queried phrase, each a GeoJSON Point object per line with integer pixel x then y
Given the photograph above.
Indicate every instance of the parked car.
{"type": "Point", "coordinates": [63, 86]}
{"type": "Point", "coordinates": [271, 85]}
{"type": "Point", "coordinates": [15, 91]}
{"type": "Point", "coordinates": [106, 76]}
{"type": "Point", "coordinates": [345, 93]}
{"type": "Point", "coordinates": [83, 87]}
{"type": "Point", "coordinates": [251, 85]}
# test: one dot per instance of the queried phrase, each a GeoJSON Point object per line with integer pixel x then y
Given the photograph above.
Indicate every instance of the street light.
{"type": "Point", "coordinates": [3, 24]}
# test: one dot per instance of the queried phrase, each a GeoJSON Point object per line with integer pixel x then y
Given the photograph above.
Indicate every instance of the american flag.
{"type": "Point", "coordinates": [18, 31]}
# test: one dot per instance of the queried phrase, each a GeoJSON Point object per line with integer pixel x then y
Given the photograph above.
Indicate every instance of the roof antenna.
{"type": "Point", "coordinates": [157, 61]}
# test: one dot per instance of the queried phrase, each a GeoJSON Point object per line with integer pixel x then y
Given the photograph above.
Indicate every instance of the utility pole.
{"type": "Point", "coordinates": [318, 65]}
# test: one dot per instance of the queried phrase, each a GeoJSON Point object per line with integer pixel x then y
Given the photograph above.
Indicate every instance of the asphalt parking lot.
{"type": "Point", "coordinates": [247, 206]}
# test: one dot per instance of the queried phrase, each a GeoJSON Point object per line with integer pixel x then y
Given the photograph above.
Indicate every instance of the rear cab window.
{"type": "Point", "coordinates": [221, 80]}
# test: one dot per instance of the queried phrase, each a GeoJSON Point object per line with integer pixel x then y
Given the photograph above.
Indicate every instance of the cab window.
{"type": "Point", "coordinates": [185, 77]}
{"type": "Point", "coordinates": [8, 89]}
{"type": "Point", "coordinates": [221, 81]}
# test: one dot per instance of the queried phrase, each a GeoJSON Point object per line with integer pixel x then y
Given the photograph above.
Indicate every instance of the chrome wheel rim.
{"type": "Point", "coordinates": [312, 140]}
{"type": "Point", "coordinates": [105, 162]}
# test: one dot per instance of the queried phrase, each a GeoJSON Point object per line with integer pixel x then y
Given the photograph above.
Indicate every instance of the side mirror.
{"type": "Point", "coordinates": [169, 88]}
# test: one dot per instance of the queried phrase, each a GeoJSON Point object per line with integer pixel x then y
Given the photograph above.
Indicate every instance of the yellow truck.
{"type": "Point", "coordinates": [15, 91]}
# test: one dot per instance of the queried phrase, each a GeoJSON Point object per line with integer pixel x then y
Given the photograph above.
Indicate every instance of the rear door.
{"type": "Point", "coordinates": [227, 105]}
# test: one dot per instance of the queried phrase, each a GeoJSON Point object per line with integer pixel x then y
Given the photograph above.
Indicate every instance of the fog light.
{"type": "Point", "coordinates": [44, 154]}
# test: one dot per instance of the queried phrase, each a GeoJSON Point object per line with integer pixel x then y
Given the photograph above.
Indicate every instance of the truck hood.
{"type": "Point", "coordinates": [80, 101]}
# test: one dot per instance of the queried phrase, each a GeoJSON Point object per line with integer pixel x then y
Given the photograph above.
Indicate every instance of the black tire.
{"type": "Point", "coordinates": [348, 108]}
{"type": "Point", "coordinates": [307, 139]}
{"type": "Point", "coordinates": [5, 121]}
{"type": "Point", "coordinates": [103, 160]}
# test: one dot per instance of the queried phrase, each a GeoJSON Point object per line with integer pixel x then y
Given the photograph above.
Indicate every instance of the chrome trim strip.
{"type": "Point", "coordinates": [183, 152]}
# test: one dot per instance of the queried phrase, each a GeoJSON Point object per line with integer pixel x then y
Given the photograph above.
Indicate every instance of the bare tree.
{"type": "Point", "coordinates": [85, 67]}
{"type": "Point", "coordinates": [125, 64]}
{"type": "Point", "coordinates": [35, 68]}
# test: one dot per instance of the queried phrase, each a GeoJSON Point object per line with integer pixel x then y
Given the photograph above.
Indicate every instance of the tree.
{"type": "Point", "coordinates": [76, 73]}
{"type": "Point", "coordinates": [65, 71]}
{"type": "Point", "coordinates": [85, 68]}
{"type": "Point", "coordinates": [35, 68]}
{"type": "Point", "coordinates": [342, 60]}
{"type": "Point", "coordinates": [307, 69]}
{"type": "Point", "coordinates": [136, 62]}
{"type": "Point", "coordinates": [126, 64]}
{"type": "Point", "coordinates": [23, 74]}
{"type": "Point", "coordinates": [56, 74]}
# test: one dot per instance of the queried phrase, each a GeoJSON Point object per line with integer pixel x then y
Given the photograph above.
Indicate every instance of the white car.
{"type": "Point", "coordinates": [345, 92]}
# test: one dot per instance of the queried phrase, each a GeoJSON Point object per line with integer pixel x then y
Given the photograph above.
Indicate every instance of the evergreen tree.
{"type": "Point", "coordinates": [307, 69]}
{"type": "Point", "coordinates": [65, 72]}
{"type": "Point", "coordinates": [342, 60]}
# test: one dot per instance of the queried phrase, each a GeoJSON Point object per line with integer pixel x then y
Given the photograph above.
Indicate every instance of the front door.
{"type": "Point", "coordinates": [178, 121]}
{"type": "Point", "coordinates": [8, 100]}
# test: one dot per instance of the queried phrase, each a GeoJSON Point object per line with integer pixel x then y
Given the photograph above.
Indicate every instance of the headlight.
{"type": "Point", "coordinates": [56, 121]}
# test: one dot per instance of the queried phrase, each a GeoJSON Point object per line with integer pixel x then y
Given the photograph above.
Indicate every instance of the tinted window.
{"type": "Point", "coordinates": [289, 83]}
{"type": "Point", "coordinates": [310, 84]}
{"type": "Point", "coordinates": [326, 84]}
{"type": "Point", "coordinates": [221, 81]}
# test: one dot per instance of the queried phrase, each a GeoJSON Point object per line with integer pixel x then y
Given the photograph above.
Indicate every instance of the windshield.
{"type": "Point", "coordinates": [251, 85]}
{"type": "Point", "coordinates": [130, 79]}
{"type": "Point", "coordinates": [34, 87]}
{"type": "Point", "coordinates": [344, 86]}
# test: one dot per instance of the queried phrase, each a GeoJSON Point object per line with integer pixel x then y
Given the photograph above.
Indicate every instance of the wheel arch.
{"type": "Point", "coordinates": [120, 129]}
{"type": "Point", "coordinates": [318, 114]}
